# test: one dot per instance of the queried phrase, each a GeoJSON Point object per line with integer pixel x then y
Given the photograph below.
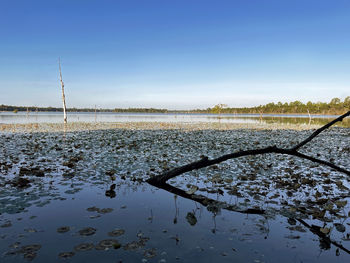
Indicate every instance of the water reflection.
{"type": "Point", "coordinates": [176, 210]}
{"type": "Point", "coordinates": [140, 225]}
{"type": "Point", "coordinates": [111, 193]}
{"type": "Point", "coordinates": [54, 117]}
{"type": "Point", "coordinates": [215, 206]}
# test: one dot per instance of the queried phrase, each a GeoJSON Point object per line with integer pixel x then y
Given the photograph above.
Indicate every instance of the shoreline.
{"type": "Point", "coordinates": [88, 126]}
{"type": "Point", "coordinates": [267, 114]}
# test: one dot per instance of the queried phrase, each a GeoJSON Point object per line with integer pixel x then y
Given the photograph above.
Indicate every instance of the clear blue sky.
{"type": "Point", "coordinates": [173, 54]}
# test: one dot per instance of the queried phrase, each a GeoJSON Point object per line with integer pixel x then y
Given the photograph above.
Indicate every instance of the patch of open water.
{"type": "Point", "coordinates": [56, 117]}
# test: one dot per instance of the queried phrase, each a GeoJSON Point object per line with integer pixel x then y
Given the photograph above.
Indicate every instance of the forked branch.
{"type": "Point", "coordinates": [162, 178]}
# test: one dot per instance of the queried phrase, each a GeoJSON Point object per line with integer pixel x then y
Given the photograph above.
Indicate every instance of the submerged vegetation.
{"type": "Point", "coordinates": [86, 189]}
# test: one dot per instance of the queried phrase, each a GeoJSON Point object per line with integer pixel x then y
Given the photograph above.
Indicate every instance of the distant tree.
{"type": "Point", "coordinates": [335, 101]}
{"type": "Point", "coordinates": [217, 109]}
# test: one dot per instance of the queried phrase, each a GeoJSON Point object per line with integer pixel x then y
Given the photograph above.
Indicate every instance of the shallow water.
{"type": "Point", "coordinates": [56, 117]}
{"type": "Point", "coordinates": [160, 226]}
{"type": "Point", "coordinates": [225, 237]}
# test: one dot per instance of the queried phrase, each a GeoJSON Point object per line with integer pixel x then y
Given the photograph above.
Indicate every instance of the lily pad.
{"type": "Point", "coordinates": [107, 244]}
{"type": "Point", "coordinates": [66, 254]}
{"type": "Point", "coordinates": [30, 248]}
{"type": "Point", "coordinates": [88, 231]}
{"type": "Point", "coordinates": [29, 256]}
{"type": "Point", "coordinates": [116, 232]}
{"type": "Point", "coordinates": [106, 210]}
{"type": "Point", "coordinates": [84, 247]}
{"type": "Point", "coordinates": [63, 229]}
{"type": "Point", "coordinates": [150, 253]}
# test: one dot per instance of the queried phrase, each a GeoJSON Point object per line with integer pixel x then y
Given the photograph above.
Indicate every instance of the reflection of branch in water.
{"type": "Point", "coordinates": [324, 239]}
{"type": "Point", "coordinates": [176, 238]}
{"type": "Point", "coordinates": [176, 209]}
{"type": "Point", "coordinates": [207, 202]}
{"type": "Point", "coordinates": [214, 220]}
{"type": "Point", "coordinates": [267, 229]}
{"type": "Point", "coordinates": [215, 206]}
{"type": "Point", "coordinates": [151, 217]}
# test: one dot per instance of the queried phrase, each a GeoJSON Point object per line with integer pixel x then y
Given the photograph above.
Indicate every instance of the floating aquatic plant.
{"type": "Point", "coordinates": [88, 231]}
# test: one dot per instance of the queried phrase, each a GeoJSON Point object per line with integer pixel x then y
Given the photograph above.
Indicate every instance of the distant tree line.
{"type": "Point", "coordinates": [51, 109]}
{"type": "Point", "coordinates": [335, 107]}
{"type": "Point", "coordinates": [141, 110]}
{"type": "Point", "coordinates": [54, 109]}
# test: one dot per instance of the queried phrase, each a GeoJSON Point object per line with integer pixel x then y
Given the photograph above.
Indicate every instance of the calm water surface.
{"type": "Point", "coordinates": [144, 211]}
{"type": "Point", "coordinates": [54, 117]}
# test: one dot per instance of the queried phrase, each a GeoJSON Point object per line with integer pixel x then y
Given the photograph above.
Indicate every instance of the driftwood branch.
{"type": "Point", "coordinates": [162, 178]}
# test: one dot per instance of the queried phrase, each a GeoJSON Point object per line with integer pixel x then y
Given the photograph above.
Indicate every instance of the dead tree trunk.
{"type": "Point", "coordinates": [204, 162]}
{"type": "Point", "coordinates": [63, 96]}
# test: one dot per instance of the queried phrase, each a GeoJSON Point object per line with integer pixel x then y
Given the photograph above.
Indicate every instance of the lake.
{"type": "Point", "coordinates": [82, 196]}
{"type": "Point", "coordinates": [57, 117]}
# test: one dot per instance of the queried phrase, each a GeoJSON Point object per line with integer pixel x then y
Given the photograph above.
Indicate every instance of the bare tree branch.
{"type": "Point", "coordinates": [162, 178]}
{"type": "Point", "coordinates": [326, 163]}
{"type": "Point", "coordinates": [318, 131]}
